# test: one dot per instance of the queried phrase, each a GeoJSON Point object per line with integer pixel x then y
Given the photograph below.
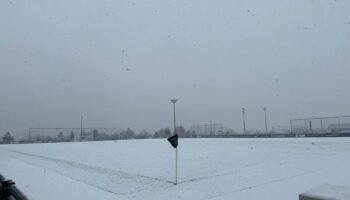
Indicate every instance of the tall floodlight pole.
{"type": "Point", "coordinates": [29, 136]}
{"type": "Point", "coordinates": [243, 111]}
{"type": "Point", "coordinates": [264, 109]}
{"type": "Point", "coordinates": [81, 126]}
{"type": "Point", "coordinates": [174, 102]}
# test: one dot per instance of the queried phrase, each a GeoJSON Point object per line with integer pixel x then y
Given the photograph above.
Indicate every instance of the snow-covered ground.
{"type": "Point", "coordinates": [256, 169]}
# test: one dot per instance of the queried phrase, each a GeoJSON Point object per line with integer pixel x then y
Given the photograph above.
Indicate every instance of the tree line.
{"type": "Point", "coordinates": [95, 135]}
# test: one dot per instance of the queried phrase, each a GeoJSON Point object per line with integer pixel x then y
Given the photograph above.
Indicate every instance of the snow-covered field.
{"type": "Point", "coordinates": [256, 169]}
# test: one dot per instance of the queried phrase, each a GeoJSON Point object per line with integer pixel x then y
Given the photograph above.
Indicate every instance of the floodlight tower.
{"type": "Point", "coordinates": [265, 109]}
{"type": "Point", "coordinates": [174, 102]}
{"type": "Point", "coordinates": [81, 125]}
{"type": "Point", "coordinates": [243, 112]}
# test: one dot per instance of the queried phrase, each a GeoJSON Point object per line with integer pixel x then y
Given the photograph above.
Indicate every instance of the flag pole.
{"type": "Point", "coordinates": [176, 153]}
{"type": "Point", "coordinates": [176, 168]}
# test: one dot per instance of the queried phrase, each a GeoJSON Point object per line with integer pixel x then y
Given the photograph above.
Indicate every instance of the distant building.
{"type": "Point", "coordinates": [208, 129]}
{"type": "Point", "coordinates": [85, 136]}
{"type": "Point", "coordinates": [343, 127]}
{"type": "Point", "coordinates": [280, 129]}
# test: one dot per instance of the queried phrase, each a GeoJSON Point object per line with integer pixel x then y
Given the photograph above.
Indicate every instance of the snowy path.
{"type": "Point", "coordinates": [209, 168]}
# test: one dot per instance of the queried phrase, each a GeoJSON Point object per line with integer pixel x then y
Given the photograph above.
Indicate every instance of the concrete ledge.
{"type": "Point", "coordinates": [327, 192]}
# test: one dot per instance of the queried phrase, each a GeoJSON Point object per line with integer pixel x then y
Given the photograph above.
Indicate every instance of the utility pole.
{"type": "Point", "coordinates": [243, 111]}
{"type": "Point", "coordinates": [176, 155]}
{"type": "Point", "coordinates": [264, 109]}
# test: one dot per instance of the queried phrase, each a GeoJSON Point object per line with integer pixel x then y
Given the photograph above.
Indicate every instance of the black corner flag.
{"type": "Point", "coordinates": [173, 140]}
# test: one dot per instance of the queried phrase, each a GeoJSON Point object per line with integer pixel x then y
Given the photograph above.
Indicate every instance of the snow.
{"type": "Point", "coordinates": [208, 168]}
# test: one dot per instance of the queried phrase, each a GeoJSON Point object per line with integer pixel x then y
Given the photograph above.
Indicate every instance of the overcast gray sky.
{"type": "Point", "coordinates": [119, 62]}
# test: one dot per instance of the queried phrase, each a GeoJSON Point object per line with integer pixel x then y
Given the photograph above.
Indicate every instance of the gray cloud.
{"type": "Point", "coordinates": [119, 62]}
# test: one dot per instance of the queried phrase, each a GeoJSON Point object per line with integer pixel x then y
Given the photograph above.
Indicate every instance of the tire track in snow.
{"type": "Point", "coordinates": [86, 166]}
{"type": "Point", "coordinates": [321, 156]}
{"type": "Point", "coordinates": [281, 164]}
{"type": "Point", "coordinates": [109, 180]}
{"type": "Point", "coordinates": [262, 184]}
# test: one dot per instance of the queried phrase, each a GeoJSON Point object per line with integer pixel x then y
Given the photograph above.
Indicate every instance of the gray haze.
{"type": "Point", "coordinates": [119, 62]}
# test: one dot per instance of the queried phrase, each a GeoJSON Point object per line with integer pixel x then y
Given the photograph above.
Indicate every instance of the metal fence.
{"type": "Point", "coordinates": [208, 129]}
{"type": "Point", "coordinates": [69, 134]}
{"type": "Point", "coordinates": [321, 125]}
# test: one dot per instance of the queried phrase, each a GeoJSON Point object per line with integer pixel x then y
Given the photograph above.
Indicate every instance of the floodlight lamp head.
{"type": "Point", "coordinates": [173, 101]}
